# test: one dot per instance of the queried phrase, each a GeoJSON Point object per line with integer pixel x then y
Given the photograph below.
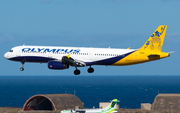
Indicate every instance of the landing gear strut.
{"type": "Point", "coordinates": [22, 68]}
{"type": "Point", "coordinates": [90, 70]}
{"type": "Point", "coordinates": [77, 72]}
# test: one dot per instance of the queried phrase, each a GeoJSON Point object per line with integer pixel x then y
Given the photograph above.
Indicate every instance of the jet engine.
{"type": "Point", "coordinates": [57, 65]}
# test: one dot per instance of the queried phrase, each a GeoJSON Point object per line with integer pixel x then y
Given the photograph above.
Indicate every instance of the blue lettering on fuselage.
{"type": "Point", "coordinates": [68, 51]}
{"type": "Point", "coordinates": [39, 49]}
{"type": "Point", "coordinates": [33, 50]}
{"type": "Point", "coordinates": [50, 50]}
{"type": "Point", "coordinates": [76, 51]}
{"type": "Point", "coordinates": [60, 50]}
{"type": "Point", "coordinates": [26, 49]}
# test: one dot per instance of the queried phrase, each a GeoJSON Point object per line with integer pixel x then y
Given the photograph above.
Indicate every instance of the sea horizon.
{"type": "Point", "coordinates": [131, 90]}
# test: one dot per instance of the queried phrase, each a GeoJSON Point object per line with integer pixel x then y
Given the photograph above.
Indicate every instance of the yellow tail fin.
{"type": "Point", "coordinates": [155, 42]}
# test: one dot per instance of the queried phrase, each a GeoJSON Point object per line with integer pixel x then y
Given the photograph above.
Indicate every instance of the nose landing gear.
{"type": "Point", "coordinates": [22, 68]}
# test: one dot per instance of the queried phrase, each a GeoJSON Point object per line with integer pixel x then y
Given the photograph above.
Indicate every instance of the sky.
{"type": "Point", "coordinates": [89, 23]}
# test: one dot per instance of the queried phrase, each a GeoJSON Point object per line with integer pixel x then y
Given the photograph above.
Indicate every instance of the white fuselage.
{"type": "Point", "coordinates": [43, 54]}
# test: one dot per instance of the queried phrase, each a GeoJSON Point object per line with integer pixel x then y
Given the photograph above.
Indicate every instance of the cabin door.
{"type": "Point", "coordinates": [18, 54]}
{"type": "Point", "coordinates": [136, 56]}
{"type": "Point", "coordinates": [90, 55]}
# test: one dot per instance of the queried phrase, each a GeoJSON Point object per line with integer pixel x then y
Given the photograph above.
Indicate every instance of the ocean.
{"type": "Point", "coordinates": [131, 91]}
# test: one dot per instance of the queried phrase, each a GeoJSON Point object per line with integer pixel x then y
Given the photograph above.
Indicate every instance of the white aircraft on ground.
{"type": "Point", "coordinates": [60, 58]}
{"type": "Point", "coordinates": [109, 109]}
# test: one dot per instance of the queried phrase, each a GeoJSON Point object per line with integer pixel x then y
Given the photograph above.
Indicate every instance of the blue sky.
{"type": "Point", "coordinates": [89, 23]}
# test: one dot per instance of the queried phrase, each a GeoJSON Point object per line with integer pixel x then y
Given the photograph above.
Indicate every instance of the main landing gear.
{"type": "Point", "coordinates": [90, 70]}
{"type": "Point", "coordinates": [77, 71]}
{"type": "Point", "coordinates": [22, 68]}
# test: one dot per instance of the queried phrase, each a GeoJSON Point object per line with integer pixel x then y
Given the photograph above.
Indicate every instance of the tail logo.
{"type": "Point", "coordinates": [157, 33]}
{"type": "Point", "coordinates": [155, 40]}
{"type": "Point", "coordinates": [156, 43]}
{"type": "Point", "coordinates": [147, 44]}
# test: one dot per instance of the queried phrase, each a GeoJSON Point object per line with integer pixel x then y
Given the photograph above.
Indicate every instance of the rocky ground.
{"type": "Point", "coordinates": [9, 110]}
{"type": "Point", "coordinates": [19, 110]}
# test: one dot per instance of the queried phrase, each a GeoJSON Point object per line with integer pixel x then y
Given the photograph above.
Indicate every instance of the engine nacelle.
{"type": "Point", "coordinates": [57, 65]}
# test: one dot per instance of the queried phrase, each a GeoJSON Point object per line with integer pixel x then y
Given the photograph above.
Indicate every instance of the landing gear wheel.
{"type": "Point", "coordinates": [90, 70]}
{"type": "Point", "coordinates": [22, 69]}
{"type": "Point", "coordinates": [77, 72]}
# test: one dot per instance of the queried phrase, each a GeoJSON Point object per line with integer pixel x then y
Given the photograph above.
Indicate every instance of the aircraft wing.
{"type": "Point", "coordinates": [72, 62]}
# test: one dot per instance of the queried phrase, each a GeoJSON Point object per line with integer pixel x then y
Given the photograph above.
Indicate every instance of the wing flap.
{"type": "Point", "coordinates": [72, 62]}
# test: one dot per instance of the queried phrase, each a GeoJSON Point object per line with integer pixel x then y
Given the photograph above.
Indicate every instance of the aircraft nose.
{"type": "Point", "coordinates": [6, 55]}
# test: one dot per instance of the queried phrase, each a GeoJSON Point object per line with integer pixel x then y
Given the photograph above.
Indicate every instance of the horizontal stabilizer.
{"type": "Point", "coordinates": [171, 52]}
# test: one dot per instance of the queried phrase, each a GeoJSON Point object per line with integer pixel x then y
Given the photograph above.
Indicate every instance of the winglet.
{"type": "Point", "coordinates": [128, 47]}
{"type": "Point", "coordinates": [68, 55]}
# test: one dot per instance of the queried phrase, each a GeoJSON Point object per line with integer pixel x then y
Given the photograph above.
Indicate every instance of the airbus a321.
{"type": "Point", "coordinates": [59, 58]}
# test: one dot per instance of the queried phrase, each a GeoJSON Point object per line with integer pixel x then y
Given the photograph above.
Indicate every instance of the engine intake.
{"type": "Point", "coordinates": [57, 65]}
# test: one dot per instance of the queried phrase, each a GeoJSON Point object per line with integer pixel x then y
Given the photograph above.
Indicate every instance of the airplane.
{"type": "Point", "coordinates": [109, 109]}
{"type": "Point", "coordinates": [59, 58]}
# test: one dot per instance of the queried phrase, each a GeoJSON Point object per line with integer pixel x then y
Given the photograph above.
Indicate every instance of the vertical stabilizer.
{"type": "Point", "coordinates": [155, 42]}
{"type": "Point", "coordinates": [111, 108]}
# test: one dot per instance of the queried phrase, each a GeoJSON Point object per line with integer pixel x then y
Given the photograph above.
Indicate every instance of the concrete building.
{"type": "Point", "coordinates": [53, 102]}
{"type": "Point", "coordinates": [166, 102]}
{"type": "Point", "coordinates": [103, 105]}
{"type": "Point", "coordinates": [145, 106]}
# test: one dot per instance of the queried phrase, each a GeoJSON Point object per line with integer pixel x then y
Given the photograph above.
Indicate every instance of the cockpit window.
{"type": "Point", "coordinates": [11, 51]}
